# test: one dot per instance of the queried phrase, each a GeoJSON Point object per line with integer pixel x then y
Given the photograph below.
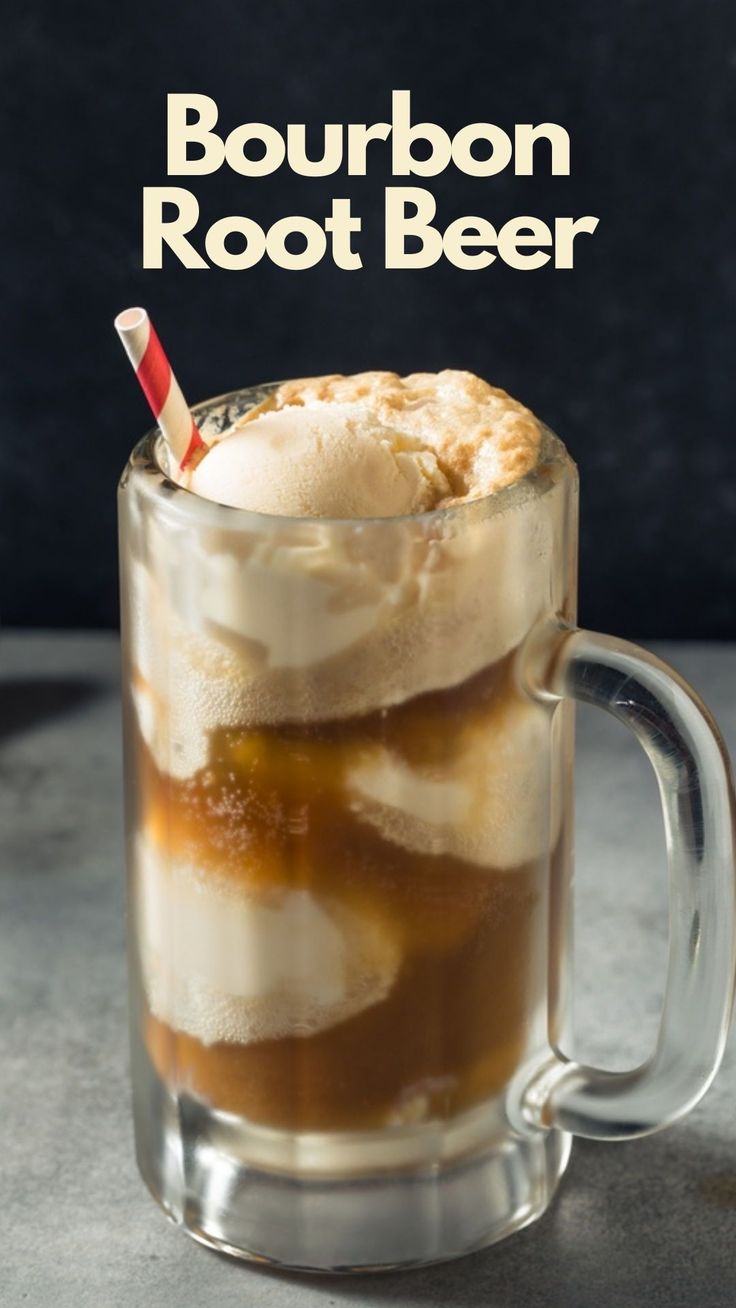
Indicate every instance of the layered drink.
{"type": "Point", "coordinates": [347, 835]}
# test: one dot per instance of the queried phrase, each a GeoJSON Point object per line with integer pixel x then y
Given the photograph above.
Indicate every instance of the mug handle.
{"type": "Point", "coordinates": [696, 788]}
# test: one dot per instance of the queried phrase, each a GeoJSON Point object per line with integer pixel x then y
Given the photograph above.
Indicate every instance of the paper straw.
{"type": "Point", "coordinates": [162, 390]}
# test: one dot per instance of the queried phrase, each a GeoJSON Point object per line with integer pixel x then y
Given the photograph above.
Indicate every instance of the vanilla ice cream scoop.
{"type": "Point", "coordinates": [225, 964]}
{"type": "Point", "coordinates": [321, 460]}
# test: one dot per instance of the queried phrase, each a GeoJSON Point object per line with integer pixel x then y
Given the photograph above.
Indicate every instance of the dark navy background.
{"type": "Point", "coordinates": [630, 356]}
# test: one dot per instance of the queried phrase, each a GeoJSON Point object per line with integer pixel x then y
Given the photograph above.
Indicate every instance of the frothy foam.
{"type": "Point", "coordinates": [311, 621]}
{"type": "Point", "coordinates": [482, 438]}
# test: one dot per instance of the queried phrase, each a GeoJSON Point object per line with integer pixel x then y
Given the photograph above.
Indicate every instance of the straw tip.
{"type": "Point", "coordinates": [130, 318]}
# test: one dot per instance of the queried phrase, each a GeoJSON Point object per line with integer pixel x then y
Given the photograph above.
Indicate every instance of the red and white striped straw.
{"type": "Point", "coordinates": [162, 390]}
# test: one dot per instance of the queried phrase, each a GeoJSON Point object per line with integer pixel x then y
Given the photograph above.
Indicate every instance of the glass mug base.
{"type": "Point", "coordinates": [338, 1209]}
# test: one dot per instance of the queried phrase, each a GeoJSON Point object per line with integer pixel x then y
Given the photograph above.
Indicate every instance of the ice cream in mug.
{"type": "Point", "coordinates": [345, 814]}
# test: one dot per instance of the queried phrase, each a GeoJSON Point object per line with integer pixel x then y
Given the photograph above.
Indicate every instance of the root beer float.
{"type": "Point", "coordinates": [344, 809]}
{"type": "Point", "coordinates": [350, 661]}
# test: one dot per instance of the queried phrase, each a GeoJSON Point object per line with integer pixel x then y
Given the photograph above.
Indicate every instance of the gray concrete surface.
{"type": "Point", "coordinates": [652, 1222]}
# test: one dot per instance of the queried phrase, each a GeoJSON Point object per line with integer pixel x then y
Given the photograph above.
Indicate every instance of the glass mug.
{"type": "Point", "coordinates": [349, 752]}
